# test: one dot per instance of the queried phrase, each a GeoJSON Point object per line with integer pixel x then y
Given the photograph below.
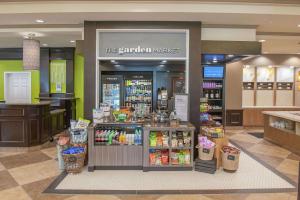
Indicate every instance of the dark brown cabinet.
{"type": "Point", "coordinates": [234, 117]}
{"type": "Point", "coordinates": [24, 125]}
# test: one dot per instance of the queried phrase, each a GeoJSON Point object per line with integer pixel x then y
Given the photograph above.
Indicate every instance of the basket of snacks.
{"type": "Point", "coordinates": [74, 159]}
{"type": "Point", "coordinates": [230, 158]}
{"type": "Point", "coordinates": [213, 132]}
{"type": "Point", "coordinates": [205, 148]}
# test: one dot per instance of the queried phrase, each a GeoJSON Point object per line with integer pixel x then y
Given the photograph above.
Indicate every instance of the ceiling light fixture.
{"type": "Point", "coordinates": [261, 40]}
{"type": "Point", "coordinates": [31, 53]}
{"type": "Point", "coordinates": [39, 21]}
{"type": "Point", "coordinates": [298, 25]}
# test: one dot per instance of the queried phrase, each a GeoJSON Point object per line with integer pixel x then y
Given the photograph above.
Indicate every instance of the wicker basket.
{"type": "Point", "coordinates": [74, 162]}
{"type": "Point", "coordinates": [205, 154]}
{"type": "Point", "coordinates": [230, 161]}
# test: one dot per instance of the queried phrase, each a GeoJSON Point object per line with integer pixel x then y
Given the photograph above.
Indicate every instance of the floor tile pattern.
{"type": "Point", "coordinates": [24, 176]}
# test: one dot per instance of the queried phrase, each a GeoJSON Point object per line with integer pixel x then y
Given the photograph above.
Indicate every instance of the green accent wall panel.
{"type": "Point", "coordinates": [58, 71]}
{"type": "Point", "coordinates": [17, 66]}
{"type": "Point", "coordinates": [79, 85]}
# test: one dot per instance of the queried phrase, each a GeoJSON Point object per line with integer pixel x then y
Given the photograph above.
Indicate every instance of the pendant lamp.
{"type": "Point", "coordinates": [31, 53]}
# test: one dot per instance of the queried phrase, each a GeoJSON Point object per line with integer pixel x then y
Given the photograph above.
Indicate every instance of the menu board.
{"type": "Point", "coordinates": [181, 106]}
{"type": "Point", "coordinates": [265, 74]}
{"type": "Point", "coordinates": [249, 74]}
{"type": "Point", "coordinates": [285, 74]}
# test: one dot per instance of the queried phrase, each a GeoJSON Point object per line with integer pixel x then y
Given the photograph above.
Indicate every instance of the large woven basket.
{"type": "Point", "coordinates": [74, 162]}
{"type": "Point", "coordinates": [205, 154]}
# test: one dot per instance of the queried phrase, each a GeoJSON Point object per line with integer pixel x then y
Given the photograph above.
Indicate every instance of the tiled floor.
{"type": "Point", "coordinates": [24, 176]}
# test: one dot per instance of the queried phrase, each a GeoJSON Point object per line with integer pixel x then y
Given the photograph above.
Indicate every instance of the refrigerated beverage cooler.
{"type": "Point", "coordinates": [138, 94]}
{"type": "Point", "coordinates": [128, 90]}
{"type": "Point", "coordinates": [111, 90]}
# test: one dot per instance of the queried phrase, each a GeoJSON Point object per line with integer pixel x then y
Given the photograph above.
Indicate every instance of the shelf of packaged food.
{"type": "Point", "coordinates": [215, 111]}
{"type": "Point", "coordinates": [170, 165]}
{"type": "Point", "coordinates": [127, 145]}
{"type": "Point", "coordinates": [180, 148]}
{"type": "Point", "coordinates": [215, 99]}
{"type": "Point", "coordinates": [212, 88]}
{"type": "Point", "coordinates": [159, 148]}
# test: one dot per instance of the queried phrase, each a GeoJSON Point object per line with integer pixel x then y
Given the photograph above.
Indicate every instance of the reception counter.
{"type": "Point", "coordinates": [283, 128]}
{"type": "Point", "coordinates": [24, 125]}
{"type": "Point", "coordinates": [253, 115]}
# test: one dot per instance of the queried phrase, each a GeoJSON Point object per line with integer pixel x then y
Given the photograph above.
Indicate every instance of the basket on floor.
{"type": "Point", "coordinates": [205, 153]}
{"type": "Point", "coordinates": [230, 158]}
{"type": "Point", "coordinates": [74, 162]}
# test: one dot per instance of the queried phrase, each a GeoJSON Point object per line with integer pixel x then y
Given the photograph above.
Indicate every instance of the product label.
{"type": "Point", "coordinates": [72, 159]}
{"type": "Point", "coordinates": [205, 150]}
{"type": "Point", "coordinates": [231, 157]}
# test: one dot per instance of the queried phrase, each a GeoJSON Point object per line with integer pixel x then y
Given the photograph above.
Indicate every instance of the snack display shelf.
{"type": "Point", "coordinates": [172, 157]}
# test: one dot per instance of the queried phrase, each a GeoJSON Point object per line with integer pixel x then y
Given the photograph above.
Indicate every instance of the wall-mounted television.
{"type": "Point", "coordinates": [216, 71]}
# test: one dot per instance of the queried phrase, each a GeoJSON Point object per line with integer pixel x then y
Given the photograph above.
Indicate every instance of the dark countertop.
{"type": "Point", "coordinates": [57, 98]}
{"type": "Point", "coordinates": [41, 103]}
{"type": "Point", "coordinates": [149, 125]}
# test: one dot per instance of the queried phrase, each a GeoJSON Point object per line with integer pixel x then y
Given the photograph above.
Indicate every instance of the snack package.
{"type": "Point", "coordinates": [152, 158]}
{"type": "Point", "coordinates": [174, 158]}
{"type": "Point", "coordinates": [205, 143]}
{"type": "Point", "coordinates": [187, 157]}
{"type": "Point", "coordinates": [82, 124]}
{"type": "Point", "coordinates": [152, 139]}
{"type": "Point", "coordinates": [165, 158]}
{"type": "Point", "coordinates": [181, 158]}
{"type": "Point", "coordinates": [165, 140]}
{"type": "Point", "coordinates": [158, 157]}
{"type": "Point", "coordinates": [159, 140]}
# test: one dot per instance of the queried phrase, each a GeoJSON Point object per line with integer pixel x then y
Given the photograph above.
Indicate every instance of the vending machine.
{"type": "Point", "coordinates": [112, 90]}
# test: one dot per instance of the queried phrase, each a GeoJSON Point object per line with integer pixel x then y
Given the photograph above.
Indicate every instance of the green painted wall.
{"type": "Point", "coordinates": [58, 71]}
{"type": "Point", "coordinates": [17, 66]}
{"type": "Point", "coordinates": [79, 84]}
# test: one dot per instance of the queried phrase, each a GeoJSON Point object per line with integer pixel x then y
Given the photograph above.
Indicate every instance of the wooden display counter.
{"type": "Point", "coordinates": [108, 150]}
{"type": "Point", "coordinates": [24, 125]}
{"type": "Point", "coordinates": [283, 128]}
{"type": "Point", "coordinates": [253, 115]}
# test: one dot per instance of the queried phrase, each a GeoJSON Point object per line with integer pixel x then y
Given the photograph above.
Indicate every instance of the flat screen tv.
{"type": "Point", "coordinates": [213, 72]}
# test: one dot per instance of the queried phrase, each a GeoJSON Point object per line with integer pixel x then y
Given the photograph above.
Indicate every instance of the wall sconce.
{"type": "Point", "coordinates": [31, 53]}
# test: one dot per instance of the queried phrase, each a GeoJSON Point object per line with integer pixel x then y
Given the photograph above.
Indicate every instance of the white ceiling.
{"type": "Point", "coordinates": [266, 17]}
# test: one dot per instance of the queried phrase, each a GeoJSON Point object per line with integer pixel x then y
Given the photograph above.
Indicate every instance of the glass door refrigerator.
{"type": "Point", "coordinates": [138, 94]}
{"type": "Point", "coordinates": [111, 90]}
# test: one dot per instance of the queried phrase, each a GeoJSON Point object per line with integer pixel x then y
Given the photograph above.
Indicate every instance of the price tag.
{"type": "Point", "coordinates": [231, 157]}
{"type": "Point", "coordinates": [205, 150]}
{"type": "Point", "coordinates": [214, 135]}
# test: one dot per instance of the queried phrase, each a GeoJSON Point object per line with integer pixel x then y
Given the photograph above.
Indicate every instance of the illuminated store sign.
{"type": "Point", "coordinates": [137, 44]}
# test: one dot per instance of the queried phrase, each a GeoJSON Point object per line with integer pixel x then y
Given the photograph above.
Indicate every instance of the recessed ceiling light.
{"type": "Point", "coordinates": [39, 21]}
{"type": "Point", "coordinates": [72, 41]}
{"type": "Point", "coordinates": [261, 40]}
{"type": "Point", "coordinates": [44, 45]}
